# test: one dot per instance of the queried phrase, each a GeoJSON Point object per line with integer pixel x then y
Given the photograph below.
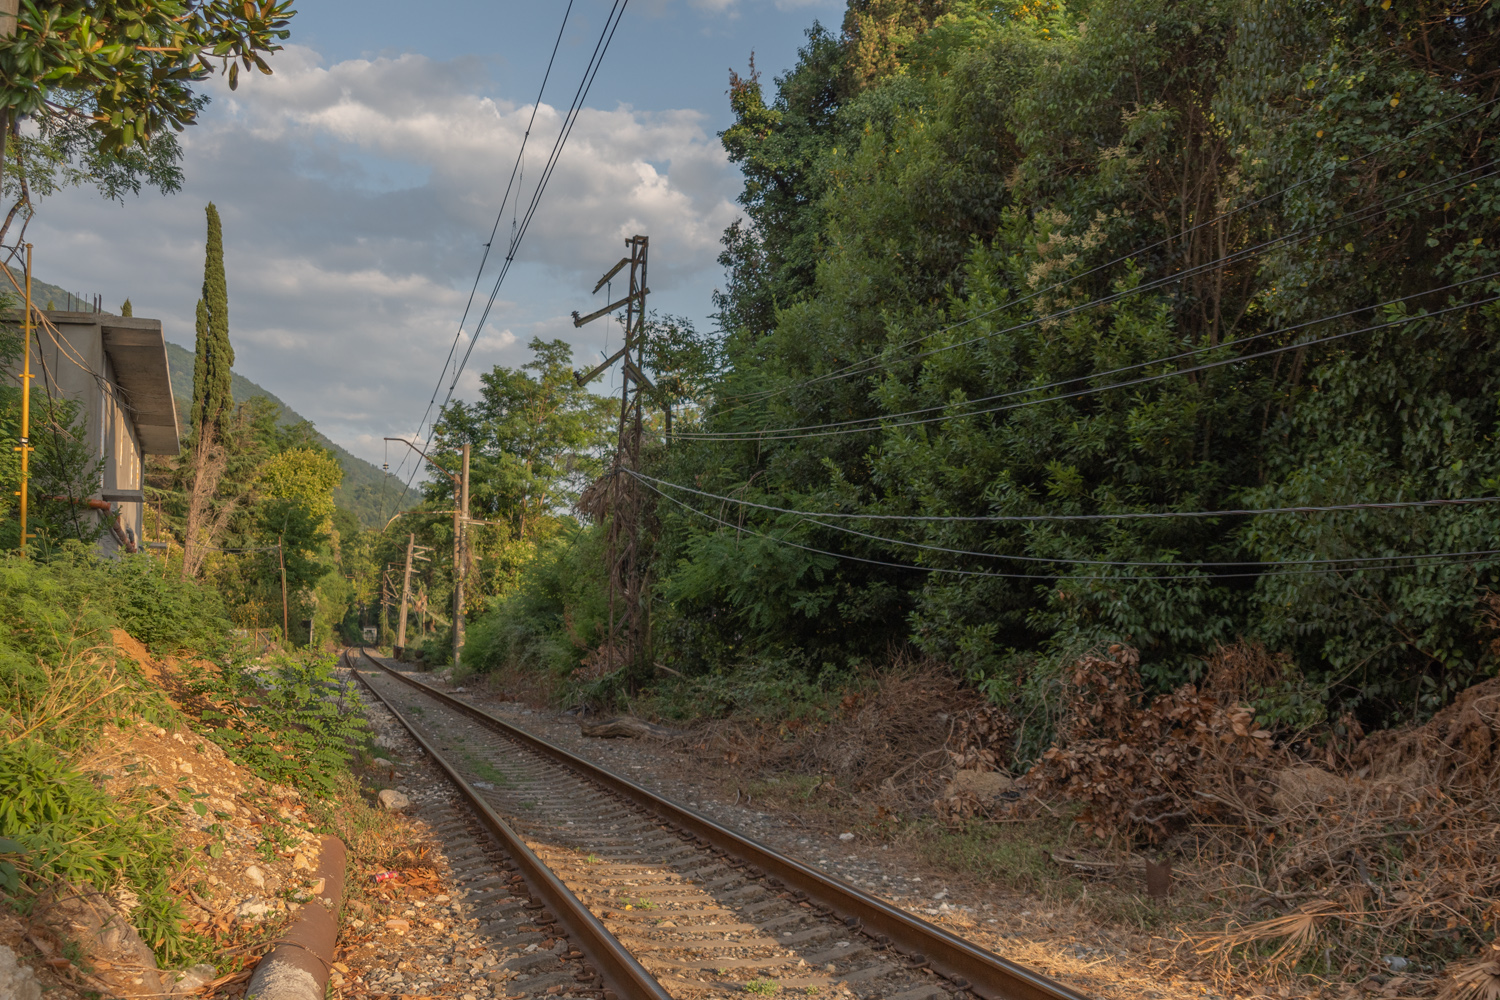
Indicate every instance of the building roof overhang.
{"type": "Point", "coordinates": [138, 353]}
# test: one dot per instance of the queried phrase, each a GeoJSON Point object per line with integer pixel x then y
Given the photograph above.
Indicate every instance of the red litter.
{"type": "Point", "coordinates": [385, 877]}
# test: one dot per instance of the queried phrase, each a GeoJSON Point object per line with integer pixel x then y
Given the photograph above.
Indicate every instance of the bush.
{"type": "Point", "coordinates": [65, 827]}
{"type": "Point", "coordinates": [282, 721]}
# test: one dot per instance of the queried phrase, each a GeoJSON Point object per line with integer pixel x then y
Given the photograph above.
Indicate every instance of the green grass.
{"type": "Point", "coordinates": [762, 987]}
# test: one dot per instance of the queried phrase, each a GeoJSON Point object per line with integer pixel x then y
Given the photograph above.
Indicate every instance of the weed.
{"type": "Point", "coordinates": [762, 987]}
{"type": "Point", "coordinates": [528, 805]}
{"type": "Point", "coordinates": [280, 723]}
{"type": "Point", "coordinates": [644, 904]}
{"type": "Point", "coordinates": [593, 859]}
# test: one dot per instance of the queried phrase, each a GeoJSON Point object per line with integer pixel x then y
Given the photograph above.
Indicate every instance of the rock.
{"type": "Point", "coordinates": [382, 762]}
{"type": "Point", "coordinates": [1396, 963]}
{"type": "Point", "coordinates": [398, 924]}
{"type": "Point", "coordinates": [252, 908]}
{"type": "Point", "coordinates": [255, 875]}
{"type": "Point", "coordinates": [846, 836]}
{"type": "Point", "coordinates": [624, 726]}
{"type": "Point", "coordinates": [16, 980]}
{"type": "Point", "coordinates": [983, 785]}
{"type": "Point", "coordinates": [316, 889]}
{"type": "Point", "coordinates": [189, 982]}
{"type": "Point", "coordinates": [302, 863]}
{"type": "Point", "coordinates": [87, 919]}
{"type": "Point", "coordinates": [393, 801]}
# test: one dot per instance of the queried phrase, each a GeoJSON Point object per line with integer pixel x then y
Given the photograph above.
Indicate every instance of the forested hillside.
{"type": "Point", "coordinates": [1028, 300]}
{"type": "Point", "coordinates": [362, 490]}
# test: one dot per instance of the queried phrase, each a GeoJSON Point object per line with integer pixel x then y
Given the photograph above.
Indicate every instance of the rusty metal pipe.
{"type": "Point", "coordinates": [299, 966]}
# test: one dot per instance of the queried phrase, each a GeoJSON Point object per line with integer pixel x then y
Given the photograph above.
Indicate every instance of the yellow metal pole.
{"type": "Point", "coordinates": [26, 377]}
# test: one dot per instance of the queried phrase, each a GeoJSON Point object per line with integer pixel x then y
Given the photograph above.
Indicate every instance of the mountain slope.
{"type": "Point", "coordinates": [361, 490]}
{"type": "Point", "coordinates": [362, 485]}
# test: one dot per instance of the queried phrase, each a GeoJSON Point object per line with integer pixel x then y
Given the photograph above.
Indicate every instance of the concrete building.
{"type": "Point", "coordinates": [115, 369]}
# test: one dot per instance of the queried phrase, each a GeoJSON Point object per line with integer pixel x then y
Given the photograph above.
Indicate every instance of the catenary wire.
{"type": "Point", "coordinates": [1135, 578]}
{"type": "Point", "coordinates": [1031, 518]}
{"type": "Point", "coordinates": [870, 365]}
{"type": "Point", "coordinates": [1145, 563]}
{"type": "Point", "coordinates": [591, 71]}
{"type": "Point", "coordinates": [773, 435]}
{"type": "Point", "coordinates": [499, 215]}
{"type": "Point", "coordinates": [754, 396]}
{"type": "Point", "coordinates": [875, 420]}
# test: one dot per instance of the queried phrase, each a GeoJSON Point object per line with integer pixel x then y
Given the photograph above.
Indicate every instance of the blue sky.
{"type": "Point", "coordinates": [358, 184]}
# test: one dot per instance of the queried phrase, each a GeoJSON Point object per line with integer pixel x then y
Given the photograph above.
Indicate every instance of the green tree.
{"type": "Point", "coordinates": [107, 87]}
{"type": "Point", "coordinates": [536, 437]}
{"type": "Point", "coordinates": [213, 399]}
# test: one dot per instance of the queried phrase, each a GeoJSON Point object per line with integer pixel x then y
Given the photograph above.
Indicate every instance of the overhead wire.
{"type": "Point", "coordinates": [499, 214]}
{"type": "Point", "coordinates": [570, 119]}
{"type": "Point", "coordinates": [849, 369]}
{"type": "Point", "coordinates": [877, 419]}
{"type": "Point", "coordinates": [1457, 559]}
{"type": "Point", "coordinates": [1037, 518]}
{"type": "Point", "coordinates": [774, 435]}
{"type": "Point", "coordinates": [854, 369]}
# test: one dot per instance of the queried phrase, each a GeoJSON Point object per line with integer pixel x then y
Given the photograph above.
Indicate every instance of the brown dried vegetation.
{"type": "Point", "coordinates": [1348, 850]}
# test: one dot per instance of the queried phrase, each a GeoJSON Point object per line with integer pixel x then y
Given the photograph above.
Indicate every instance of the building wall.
{"type": "Point", "coordinates": [74, 366]}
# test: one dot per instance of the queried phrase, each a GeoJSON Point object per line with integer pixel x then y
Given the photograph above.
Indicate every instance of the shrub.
{"type": "Point", "coordinates": [283, 721]}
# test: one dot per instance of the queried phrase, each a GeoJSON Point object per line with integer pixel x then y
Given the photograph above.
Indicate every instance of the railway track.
{"type": "Point", "coordinates": [663, 902]}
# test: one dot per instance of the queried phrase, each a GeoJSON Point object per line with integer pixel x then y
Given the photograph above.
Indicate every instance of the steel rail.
{"type": "Point", "coordinates": [962, 962]}
{"type": "Point", "coordinates": [619, 969]}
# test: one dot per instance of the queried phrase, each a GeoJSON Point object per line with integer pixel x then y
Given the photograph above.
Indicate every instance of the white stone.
{"type": "Point", "coordinates": [393, 801]}
{"type": "Point", "coordinates": [252, 907]}
{"type": "Point", "coordinates": [16, 980]}
{"type": "Point", "coordinates": [382, 762]}
{"type": "Point", "coordinates": [255, 875]}
{"type": "Point", "coordinates": [846, 836]}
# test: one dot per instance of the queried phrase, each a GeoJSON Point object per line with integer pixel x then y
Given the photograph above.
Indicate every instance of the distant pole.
{"type": "Point", "coordinates": [25, 446]}
{"type": "Point", "coordinates": [286, 625]}
{"type": "Point", "coordinates": [460, 516]}
{"type": "Point", "coordinates": [411, 543]}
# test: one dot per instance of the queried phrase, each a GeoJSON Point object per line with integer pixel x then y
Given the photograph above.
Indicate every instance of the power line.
{"type": "Point", "coordinates": [1140, 563]}
{"type": "Point", "coordinates": [854, 369]}
{"type": "Point", "coordinates": [1033, 518]}
{"type": "Point", "coordinates": [849, 369]}
{"type": "Point", "coordinates": [775, 435]}
{"type": "Point", "coordinates": [570, 119]}
{"type": "Point", "coordinates": [499, 214]}
{"type": "Point", "coordinates": [1055, 576]}
{"type": "Point", "coordinates": [755, 435]}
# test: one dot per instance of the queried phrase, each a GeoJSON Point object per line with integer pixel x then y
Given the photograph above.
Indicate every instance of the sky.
{"type": "Point", "coordinates": [358, 184]}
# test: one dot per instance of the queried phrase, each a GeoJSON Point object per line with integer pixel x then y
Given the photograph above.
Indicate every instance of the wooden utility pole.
{"type": "Point", "coordinates": [460, 521]}
{"type": "Point", "coordinates": [629, 627]}
{"type": "Point", "coordinates": [386, 598]}
{"type": "Point", "coordinates": [460, 516]}
{"type": "Point", "coordinates": [286, 627]}
{"type": "Point", "coordinates": [411, 544]}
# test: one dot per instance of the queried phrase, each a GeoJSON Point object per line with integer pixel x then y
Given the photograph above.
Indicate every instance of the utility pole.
{"type": "Point", "coordinates": [411, 542]}
{"type": "Point", "coordinates": [286, 628]}
{"type": "Point", "coordinates": [25, 446]}
{"type": "Point", "coordinates": [629, 631]}
{"type": "Point", "coordinates": [460, 520]}
{"type": "Point", "coordinates": [460, 515]}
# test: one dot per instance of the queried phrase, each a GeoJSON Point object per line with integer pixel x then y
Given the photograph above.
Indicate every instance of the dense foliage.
{"type": "Point", "coordinates": [1030, 260]}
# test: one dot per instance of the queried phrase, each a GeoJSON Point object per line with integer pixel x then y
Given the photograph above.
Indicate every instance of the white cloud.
{"type": "Point", "coordinates": [356, 198]}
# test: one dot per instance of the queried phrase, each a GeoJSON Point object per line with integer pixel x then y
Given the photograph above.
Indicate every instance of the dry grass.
{"type": "Point", "coordinates": [888, 745]}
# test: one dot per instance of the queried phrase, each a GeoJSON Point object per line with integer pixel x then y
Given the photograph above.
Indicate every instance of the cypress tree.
{"type": "Point", "coordinates": [213, 400]}
{"type": "Point", "coordinates": [127, 310]}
